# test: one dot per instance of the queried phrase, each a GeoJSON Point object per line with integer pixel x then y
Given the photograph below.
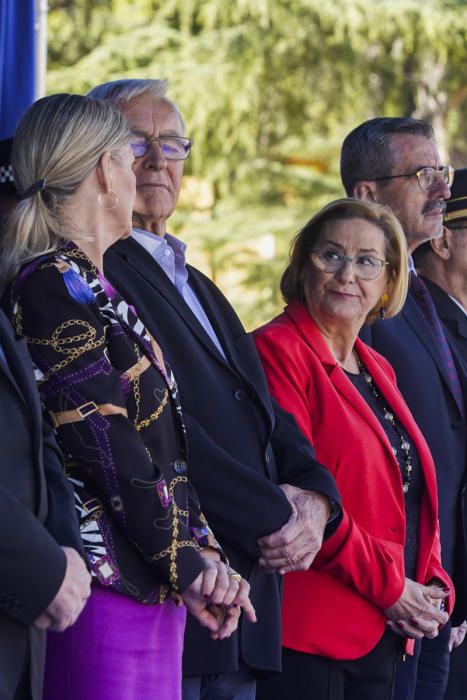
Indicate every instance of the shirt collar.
{"type": "Point", "coordinates": [151, 241]}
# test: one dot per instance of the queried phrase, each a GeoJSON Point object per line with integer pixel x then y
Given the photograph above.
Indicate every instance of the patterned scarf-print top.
{"type": "Point", "coordinates": [114, 403]}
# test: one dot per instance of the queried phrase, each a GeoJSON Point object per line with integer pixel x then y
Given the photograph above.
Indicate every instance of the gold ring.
{"type": "Point", "coordinates": [235, 575]}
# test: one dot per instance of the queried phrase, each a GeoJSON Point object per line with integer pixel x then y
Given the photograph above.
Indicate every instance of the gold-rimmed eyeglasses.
{"type": "Point", "coordinates": [426, 177]}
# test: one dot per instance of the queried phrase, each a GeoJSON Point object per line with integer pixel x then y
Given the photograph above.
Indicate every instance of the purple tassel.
{"type": "Point", "coordinates": [77, 287]}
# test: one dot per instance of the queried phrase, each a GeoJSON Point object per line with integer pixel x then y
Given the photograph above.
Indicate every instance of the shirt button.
{"type": "Point", "coordinates": [239, 395]}
{"type": "Point", "coordinates": [167, 252]}
{"type": "Point", "coordinates": [179, 466]}
{"type": "Point", "coordinates": [267, 458]}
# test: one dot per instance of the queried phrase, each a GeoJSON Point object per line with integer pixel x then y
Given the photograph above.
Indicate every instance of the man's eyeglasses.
{"type": "Point", "coordinates": [172, 147]}
{"type": "Point", "coordinates": [426, 177]}
{"type": "Point", "coordinates": [366, 267]}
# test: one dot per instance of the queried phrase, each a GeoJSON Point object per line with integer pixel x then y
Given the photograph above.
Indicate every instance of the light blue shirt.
{"type": "Point", "coordinates": [169, 254]}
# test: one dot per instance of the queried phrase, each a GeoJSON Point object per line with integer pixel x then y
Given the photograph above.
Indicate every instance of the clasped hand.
{"type": "Point", "coordinates": [417, 613]}
{"type": "Point", "coordinates": [215, 598]}
{"type": "Point", "coordinates": [295, 545]}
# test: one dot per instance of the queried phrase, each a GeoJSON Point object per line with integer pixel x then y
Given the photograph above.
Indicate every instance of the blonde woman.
{"type": "Point", "coordinates": [113, 401]}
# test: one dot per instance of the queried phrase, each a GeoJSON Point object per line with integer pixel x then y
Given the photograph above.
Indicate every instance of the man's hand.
{"type": "Point", "coordinates": [416, 614]}
{"type": "Point", "coordinates": [71, 598]}
{"type": "Point", "coordinates": [295, 545]}
{"type": "Point", "coordinates": [457, 635]}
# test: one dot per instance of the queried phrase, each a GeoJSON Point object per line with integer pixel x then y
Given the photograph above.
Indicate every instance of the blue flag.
{"type": "Point", "coordinates": [17, 62]}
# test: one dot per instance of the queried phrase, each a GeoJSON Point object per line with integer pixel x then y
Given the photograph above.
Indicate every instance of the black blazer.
{"type": "Point", "coordinates": [407, 342]}
{"type": "Point", "coordinates": [36, 515]}
{"type": "Point", "coordinates": [240, 444]}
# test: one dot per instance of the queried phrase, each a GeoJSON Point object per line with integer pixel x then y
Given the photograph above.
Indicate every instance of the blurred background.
{"type": "Point", "coordinates": [269, 89]}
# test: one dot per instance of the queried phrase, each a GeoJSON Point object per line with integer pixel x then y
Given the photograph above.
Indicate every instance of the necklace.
{"type": "Point", "coordinates": [406, 467]}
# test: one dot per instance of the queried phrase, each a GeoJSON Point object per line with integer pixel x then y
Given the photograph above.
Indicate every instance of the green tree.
{"type": "Point", "coordinates": [269, 89]}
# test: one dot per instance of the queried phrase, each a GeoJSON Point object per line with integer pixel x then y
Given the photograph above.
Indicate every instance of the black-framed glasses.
{"type": "Point", "coordinates": [366, 267]}
{"type": "Point", "coordinates": [426, 176]}
{"type": "Point", "coordinates": [172, 147]}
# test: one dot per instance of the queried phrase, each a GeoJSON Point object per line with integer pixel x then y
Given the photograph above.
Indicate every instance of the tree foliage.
{"type": "Point", "coordinates": [269, 88]}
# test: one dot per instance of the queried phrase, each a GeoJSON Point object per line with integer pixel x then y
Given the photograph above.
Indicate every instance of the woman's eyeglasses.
{"type": "Point", "coordinates": [366, 267]}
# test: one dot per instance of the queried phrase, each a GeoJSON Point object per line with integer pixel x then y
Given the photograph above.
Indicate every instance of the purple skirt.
{"type": "Point", "coordinates": [118, 649]}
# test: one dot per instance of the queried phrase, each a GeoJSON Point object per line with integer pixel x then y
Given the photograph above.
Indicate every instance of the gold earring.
{"type": "Point", "coordinates": [101, 196]}
{"type": "Point", "coordinates": [382, 310]}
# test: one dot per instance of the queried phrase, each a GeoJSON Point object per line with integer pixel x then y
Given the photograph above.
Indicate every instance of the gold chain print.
{"type": "Point", "coordinates": [61, 344]}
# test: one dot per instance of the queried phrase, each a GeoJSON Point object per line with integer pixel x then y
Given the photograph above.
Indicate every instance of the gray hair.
{"type": "Point", "coordinates": [121, 92]}
{"type": "Point", "coordinates": [367, 152]}
{"type": "Point", "coordinates": [58, 142]}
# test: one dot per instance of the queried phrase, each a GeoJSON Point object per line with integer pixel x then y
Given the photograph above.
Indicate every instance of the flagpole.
{"type": "Point", "coordinates": [42, 9]}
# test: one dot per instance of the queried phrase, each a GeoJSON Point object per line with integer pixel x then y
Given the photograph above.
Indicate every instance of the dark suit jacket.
{"type": "Point", "coordinates": [408, 344]}
{"type": "Point", "coordinates": [34, 496]}
{"type": "Point", "coordinates": [453, 318]}
{"type": "Point", "coordinates": [455, 323]}
{"type": "Point", "coordinates": [240, 445]}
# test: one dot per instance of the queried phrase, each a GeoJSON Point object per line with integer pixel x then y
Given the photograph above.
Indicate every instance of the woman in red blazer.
{"type": "Point", "coordinates": [378, 580]}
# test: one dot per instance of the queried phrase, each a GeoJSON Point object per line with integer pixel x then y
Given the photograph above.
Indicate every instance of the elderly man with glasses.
{"type": "Point", "coordinates": [240, 445]}
{"type": "Point", "coordinates": [395, 161]}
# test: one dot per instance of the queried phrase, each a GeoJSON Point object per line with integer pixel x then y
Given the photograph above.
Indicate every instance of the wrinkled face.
{"type": "Point", "coordinates": [420, 213]}
{"type": "Point", "coordinates": [124, 185]}
{"type": "Point", "coordinates": [342, 296]}
{"type": "Point", "coordinates": [158, 180]}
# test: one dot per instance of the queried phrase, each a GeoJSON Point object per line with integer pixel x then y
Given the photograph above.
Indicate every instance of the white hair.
{"type": "Point", "coordinates": [121, 92]}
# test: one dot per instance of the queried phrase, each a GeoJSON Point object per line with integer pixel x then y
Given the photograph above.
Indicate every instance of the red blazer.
{"type": "Point", "coordinates": [335, 609]}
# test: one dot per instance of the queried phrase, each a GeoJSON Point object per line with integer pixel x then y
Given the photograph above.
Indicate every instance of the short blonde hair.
{"type": "Point", "coordinates": [293, 279]}
{"type": "Point", "coordinates": [59, 141]}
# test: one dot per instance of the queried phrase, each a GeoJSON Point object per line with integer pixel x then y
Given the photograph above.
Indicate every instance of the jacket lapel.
{"type": "Point", "coordinates": [214, 315]}
{"type": "Point", "coordinates": [140, 260]}
{"type": "Point", "coordinates": [312, 335]}
{"type": "Point", "coordinates": [413, 316]}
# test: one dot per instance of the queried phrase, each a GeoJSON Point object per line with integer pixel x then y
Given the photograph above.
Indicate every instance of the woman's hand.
{"type": "Point", "coordinates": [217, 596]}
{"type": "Point", "coordinates": [417, 613]}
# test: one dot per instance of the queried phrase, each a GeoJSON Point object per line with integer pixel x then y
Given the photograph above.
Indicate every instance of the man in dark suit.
{"type": "Point", "coordinates": [442, 263]}
{"type": "Point", "coordinates": [240, 444]}
{"type": "Point", "coordinates": [44, 582]}
{"type": "Point", "coordinates": [394, 161]}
